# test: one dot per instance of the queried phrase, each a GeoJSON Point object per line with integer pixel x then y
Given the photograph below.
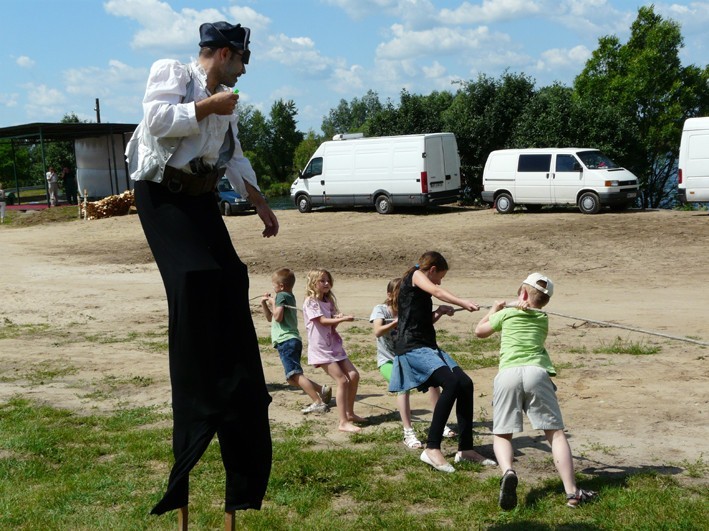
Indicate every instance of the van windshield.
{"type": "Point", "coordinates": [595, 160]}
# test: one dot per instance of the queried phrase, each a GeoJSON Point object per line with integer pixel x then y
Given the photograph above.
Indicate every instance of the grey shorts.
{"type": "Point", "coordinates": [528, 390]}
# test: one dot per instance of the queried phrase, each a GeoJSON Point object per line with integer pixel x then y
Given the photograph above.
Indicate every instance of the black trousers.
{"type": "Point", "coordinates": [218, 386]}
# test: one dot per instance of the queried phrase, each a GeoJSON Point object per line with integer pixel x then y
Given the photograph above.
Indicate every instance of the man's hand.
{"type": "Point", "coordinates": [264, 211]}
{"type": "Point", "coordinates": [222, 103]}
{"type": "Point", "coordinates": [269, 219]}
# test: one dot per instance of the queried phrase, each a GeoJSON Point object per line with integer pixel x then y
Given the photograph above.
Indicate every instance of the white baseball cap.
{"type": "Point", "coordinates": [535, 278]}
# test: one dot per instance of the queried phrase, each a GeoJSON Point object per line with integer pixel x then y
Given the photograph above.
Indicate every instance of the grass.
{"type": "Point", "coordinates": [14, 218]}
{"type": "Point", "coordinates": [620, 346]}
{"type": "Point", "coordinates": [60, 470]}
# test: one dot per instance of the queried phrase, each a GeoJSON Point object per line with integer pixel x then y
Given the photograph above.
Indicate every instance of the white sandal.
{"type": "Point", "coordinates": [449, 433]}
{"type": "Point", "coordinates": [410, 439]}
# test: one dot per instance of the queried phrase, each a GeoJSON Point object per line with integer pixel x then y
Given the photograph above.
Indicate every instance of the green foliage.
{"type": "Point", "coordinates": [483, 116]}
{"type": "Point", "coordinates": [415, 114]}
{"type": "Point", "coordinates": [619, 346]}
{"type": "Point", "coordinates": [270, 144]}
{"type": "Point", "coordinates": [305, 150]}
{"type": "Point", "coordinates": [644, 81]}
{"type": "Point", "coordinates": [351, 117]}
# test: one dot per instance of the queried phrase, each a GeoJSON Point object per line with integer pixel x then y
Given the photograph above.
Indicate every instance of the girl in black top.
{"type": "Point", "coordinates": [421, 364]}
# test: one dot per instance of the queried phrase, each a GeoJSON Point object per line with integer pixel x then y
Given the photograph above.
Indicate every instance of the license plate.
{"type": "Point", "coordinates": [436, 184]}
{"type": "Point", "coordinates": [631, 195]}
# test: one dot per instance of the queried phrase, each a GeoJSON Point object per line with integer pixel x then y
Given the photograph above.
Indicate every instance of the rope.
{"type": "Point", "coordinates": [606, 324]}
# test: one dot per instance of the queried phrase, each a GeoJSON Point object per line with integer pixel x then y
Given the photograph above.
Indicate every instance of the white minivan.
{"type": "Point", "coordinates": [556, 176]}
{"type": "Point", "coordinates": [693, 170]}
{"type": "Point", "coordinates": [384, 172]}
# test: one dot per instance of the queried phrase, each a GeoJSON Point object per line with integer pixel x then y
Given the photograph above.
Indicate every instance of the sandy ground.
{"type": "Point", "coordinates": [76, 295]}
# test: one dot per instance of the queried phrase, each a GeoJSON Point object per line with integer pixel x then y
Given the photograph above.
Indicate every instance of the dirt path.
{"type": "Point", "coordinates": [83, 315]}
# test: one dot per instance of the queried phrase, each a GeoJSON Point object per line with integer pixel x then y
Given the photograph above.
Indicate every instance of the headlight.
{"type": "Point", "coordinates": [612, 183]}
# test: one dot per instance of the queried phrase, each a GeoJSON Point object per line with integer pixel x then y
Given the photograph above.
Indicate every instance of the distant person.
{"type": "Point", "coordinates": [523, 384]}
{"type": "Point", "coordinates": [325, 347]}
{"type": "Point", "coordinates": [282, 313]}
{"type": "Point", "coordinates": [420, 363]}
{"type": "Point", "coordinates": [70, 186]}
{"type": "Point", "coordinates": [3, 204]}
{"type": "Point", "coordinates": [53, 186]}
{"type": "Point", "coordinates": [384, 318]}
{"type": "Point", "coordinates": [187, 140]}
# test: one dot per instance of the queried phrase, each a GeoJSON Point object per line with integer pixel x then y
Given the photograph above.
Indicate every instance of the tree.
{"type": "Point", "coordinates": [556, 117]}
{"type": "Point", "coordinates": [483, 115]}
{"type": "Point", "coordinates": [351, 117]}
{"type": "Point", "coordinates": [415, 114]}
{"type": "Point", "coordinates": [283, 139]}
{"type": "Point", "coordinates": [306, 149]}
{"type": "Point", "coordinates": [645, 81]}
{"type": "Point", "coordinates": [253, 136]}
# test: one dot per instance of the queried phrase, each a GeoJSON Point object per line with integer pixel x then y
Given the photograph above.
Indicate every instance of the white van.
{"type": "Point", "coordinates": [556, 176]}
{"type": "Point", "coordinates": [693, 171]}
{"type": "Point", "coordinates": [383, 172]}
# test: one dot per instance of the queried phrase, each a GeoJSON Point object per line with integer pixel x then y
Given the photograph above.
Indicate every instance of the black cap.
{"type": "Point", "coordinates": [222, 34]}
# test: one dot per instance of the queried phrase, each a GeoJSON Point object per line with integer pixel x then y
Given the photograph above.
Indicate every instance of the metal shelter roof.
{"type": "Point", "coordinates": [61, 131]}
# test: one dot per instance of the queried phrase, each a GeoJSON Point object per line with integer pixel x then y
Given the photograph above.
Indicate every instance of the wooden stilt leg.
{"type": "Point", "coordinates": [229, 521]}
{"type": "Point", "coordinates": [182, 517]}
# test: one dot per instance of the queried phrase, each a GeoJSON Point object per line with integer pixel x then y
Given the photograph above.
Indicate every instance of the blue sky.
{"type": "Point", "coordinates": [58, 56]}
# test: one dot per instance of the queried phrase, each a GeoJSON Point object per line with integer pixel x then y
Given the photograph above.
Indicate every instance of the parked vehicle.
{"type": "Point", "coordinates": [230, 202]}
{"type": "Point", "coordinates": [583, 177]}
{"type": "Point", "coordinates": [693, 167]}
{"type": "Point", "coordinates": [383, 172]}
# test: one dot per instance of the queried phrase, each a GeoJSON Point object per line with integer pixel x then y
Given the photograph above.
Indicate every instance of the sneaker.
{"type": "Point", "coordinates": [575, 499]}
{"type": "Point", "coordinates": [508, 490]}
{"type": "Point", "coordinates": [326, 394]}
{"type": "Point", "coordinates": [315, 407]}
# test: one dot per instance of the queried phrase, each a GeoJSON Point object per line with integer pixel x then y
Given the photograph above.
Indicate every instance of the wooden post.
{"type": "Point", "coordinates": [182, 517]}
{"type": "Point", "coordinates": [229, 521]}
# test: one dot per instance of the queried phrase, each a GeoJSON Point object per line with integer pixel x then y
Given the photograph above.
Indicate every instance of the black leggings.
{"type": "Point", "coordinates": [457, 387]}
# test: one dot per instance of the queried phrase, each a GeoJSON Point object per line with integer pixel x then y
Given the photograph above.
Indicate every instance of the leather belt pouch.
{"type": "Point", "coordinates": [180, 182]}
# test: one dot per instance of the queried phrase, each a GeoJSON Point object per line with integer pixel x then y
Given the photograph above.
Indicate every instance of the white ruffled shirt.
{"type": "Point", "coordinates": [167, 116]}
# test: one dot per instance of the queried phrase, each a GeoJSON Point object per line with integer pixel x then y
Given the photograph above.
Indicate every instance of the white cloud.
{"type": "Point", "coordinates": [299, 54]}
{"type": "Point", "coordinates": [489, 11]}
{"type": "Point", "coordinates": [45, 103]}
{"type": "Point", "coordinates": [162, 27]}
{"type": "Point", "coordinates": [101, 81]}
{"type": "Point", "coordinates": [25, 62]}
{"type": "Point", "coordinates": [412, 44]}
{"type": "Point", "coordinates": [558, 59]}
{"type": "Point", "coordinates": [249, 18]}
{"type": "Point", "coordinates": [348, 80]}
{"type": "Point", "coordinates": [436, 70]}
{"type": "Point", "coordinates": [9, 100]}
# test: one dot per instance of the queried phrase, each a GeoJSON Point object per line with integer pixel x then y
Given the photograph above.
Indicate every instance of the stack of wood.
{"type": "Point", "coordinates": [113, 205]}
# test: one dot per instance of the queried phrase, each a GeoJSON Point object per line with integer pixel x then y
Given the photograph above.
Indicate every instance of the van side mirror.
{"type": "Point", "coordinates": [577, 166]}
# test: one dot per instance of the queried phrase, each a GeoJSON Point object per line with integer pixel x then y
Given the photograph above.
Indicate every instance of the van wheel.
{"type": "Point", "coordinates": [504, 203]}
{"type": "Point", "coordinates": [226, 208]}
{"type": "Point", "coordinates": [589, 203]}
{"type": "Point", "coordinates": [383, 204]}
{"type": "Point", "coordinates": [304, 204]}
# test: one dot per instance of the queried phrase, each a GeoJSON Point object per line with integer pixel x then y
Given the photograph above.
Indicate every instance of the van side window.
{"type": "Point", "coordinates": [314, 168]}
{"type": "Point", "coordinates": [529, 163]}
{"type": "Point", "coordinates": [567, 163]}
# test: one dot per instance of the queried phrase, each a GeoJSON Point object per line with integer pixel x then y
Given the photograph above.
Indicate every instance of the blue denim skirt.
{"type": "Point", "coordinates": [413, 369]}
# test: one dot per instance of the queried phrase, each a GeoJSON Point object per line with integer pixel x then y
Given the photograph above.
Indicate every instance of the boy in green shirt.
{"type": "Point", "coordinates": [280, 311]}
{"type": "Point", "coordinates": [523, 385]}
